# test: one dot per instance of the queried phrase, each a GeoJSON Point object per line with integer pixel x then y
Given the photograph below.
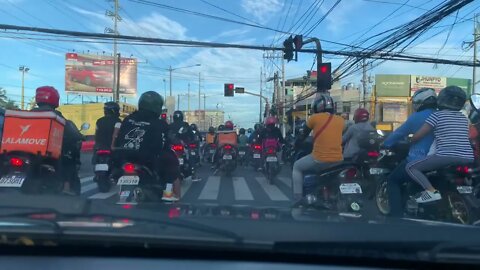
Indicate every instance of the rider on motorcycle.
{"type": "Point", "coordinates": [271, 131]}
{"type": "Point", "coordinates": [242, 139]}
{"type": "Point", "coordinates": [255, 137]}
{"type": "Point", "coordinates": [146, 133]}
{"type": "Point", "coordinates": [353, 135]}
{"type": "Point", "coordinates": [47, 98]}
{"type": "Point", "coordinates": [327, 141]}
{"type": "Point", "coordinates": [106, 125]}
{"type": "Point", "coordinates": [225, 135]}
{"type": "Point", "coordinates": [180, 129]}
{"type": "Point", "coordinates": [424, 103]}
{"type": "Point", "coordinates": [452, 145]}
{"type": "Point", "coordinates": [197, 137]}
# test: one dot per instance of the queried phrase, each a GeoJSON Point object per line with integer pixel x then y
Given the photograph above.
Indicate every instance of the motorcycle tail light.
{"type": "Point", "coordinates": [227, 147]}
{"type": "Point", "coordinates": [257, 147]}
{"type": "Point", "coordinates": [462, 169]}
{"type": "Point", "coordinates": [192, 145]}
{"type": "Point", "coordinates": [177, 147]}
{"type": "Point", "coordinates": [349, 174]}
{"type": "Point", "coordinates": [270, 151]}
{"type": "Point", "coordinates": [129, 167]}
{"type": "Point", "coordinates": [174, 212]}
{"type": "Point", "coordinates": [16, 162]}
{"type": "Point", "coordinates": [103, 152]}
{"type": "Point", "coordinates": [374, 154]}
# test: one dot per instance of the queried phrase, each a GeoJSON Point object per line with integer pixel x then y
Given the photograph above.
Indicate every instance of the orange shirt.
{"type": "Point", "coordinates": [328, 146]}
{"type": "Point", "coordinates": [210, 138]}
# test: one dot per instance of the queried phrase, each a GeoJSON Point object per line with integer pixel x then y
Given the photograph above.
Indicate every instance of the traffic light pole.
{"type": "Point", "coordinates": [319, 60]}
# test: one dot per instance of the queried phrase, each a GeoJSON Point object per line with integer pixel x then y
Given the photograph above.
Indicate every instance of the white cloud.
{"type": "Point", "coordinates": [341, 14]}
{"type": "Point", "coordinates": [262, 9]}
{"type": "Point", "coordinates": [51, 52]}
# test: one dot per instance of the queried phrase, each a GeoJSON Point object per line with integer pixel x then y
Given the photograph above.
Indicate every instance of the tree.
{"type": "Point", "coordinates": [5, 102]}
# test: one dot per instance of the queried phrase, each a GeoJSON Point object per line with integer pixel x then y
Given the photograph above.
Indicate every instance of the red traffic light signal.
{"type": "Point", "coordinates": [228, 90]}
{"type": "Point", "coordinates": [324, 76]}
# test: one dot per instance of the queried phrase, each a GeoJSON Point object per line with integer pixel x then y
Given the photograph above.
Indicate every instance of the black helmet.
{"type": "Point", "coordinates": [211, 129]}
{"type": "Point", "coordinates": [111, 108]}
{"type": "Point", "coordinates": [424, 98]}
{"type": "Point", "coordinates": [451, 98]}
{"type": "Point", "coordinates": [151, 101]}
{"type": "Point", "coordinates": [242, 131]}
{"type": "Point", "coordinates": [322, 103]}
{"type": "Point", "coordinates": [177, 116]}
{"type": "Point", "coordinates": [193, 126]}
{"type": "Point", "coordinates": [221, 127]}
{"type": "Point", "coordinates": [257, 126]}
{"type": "Point", "coordinates": [250, 130]}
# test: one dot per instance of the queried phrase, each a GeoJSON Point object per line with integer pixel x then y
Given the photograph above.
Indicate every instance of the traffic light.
{"type": "Point", "coordinates": [298, 42]}
{"type": "Point", "coordinates": [288, 49]}
{"type": "Point", "coordinates": [163, 116]}
{"type": "Point", "coordinates": [228, 90]}
{"type": "Point", "coordinates": [324, 76]}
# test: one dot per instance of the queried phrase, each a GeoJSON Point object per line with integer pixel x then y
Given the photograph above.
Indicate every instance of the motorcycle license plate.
{"type": "Point", "coordinates": [271, 159]}
{"type": "Point", "coordinates": [180, 160]}
{"type": "Point", "coordinates": [128, 180]}
{"type": "Point", "coordinates": [242, 153]}
{"type": "Point", "coordinates": [227, 157]}
{"type": "Point", "coordinates": [12, 181]}
{"type": "Point", "coordinates": [101, 167]}
{"type": "Point", "coordinates": [350, 188]}
{"type": "Point", "coordinates": [192, 153]}
{"type": "Point", "coordinates": [465, 189]}
{"type": "Point", "coordinates": [378, 171]}
{"type": "Point", "coordinates": [256, 155]}
{"type": "Point", "coordinates": [212, 151]}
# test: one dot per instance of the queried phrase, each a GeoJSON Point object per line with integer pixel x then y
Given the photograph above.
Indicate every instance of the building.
{"type": "Point", "coordinates": [205, 119]}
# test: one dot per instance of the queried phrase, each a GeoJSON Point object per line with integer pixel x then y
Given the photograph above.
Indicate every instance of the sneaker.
{"type": "Point", "coordinates": [196, 179]}
{"type": "Point", "coordinates": [169, 197]}
{"type": "Point", "coordinates": [428, 196]}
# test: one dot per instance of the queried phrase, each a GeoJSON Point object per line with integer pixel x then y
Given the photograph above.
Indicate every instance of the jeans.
{"type": "Point", "coordinates": [394, 189]}
{"type": "Point", "coordinates": [299, 167]}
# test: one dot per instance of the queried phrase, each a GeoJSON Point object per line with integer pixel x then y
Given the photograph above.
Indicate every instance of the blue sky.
{"type": "Point", "coordinates": [349, 21]}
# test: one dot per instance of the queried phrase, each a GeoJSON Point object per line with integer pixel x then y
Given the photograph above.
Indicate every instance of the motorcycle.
{"type": "Point", "coordinates": [186, 167]}
{"type": "Point", "coordinates": [194, 154]}
{"type": "Point", "coordinates": [271, 165]}
{"type": "Point", "coordinates": [102, 170]}
{"type": "Point", "coordinates": [208, 152]}
{"type": "Point", "coordinates": [35, 174]}
{"type": "Point", "coordinates": [137, 182]}
{"type": "Point", "coordinates": [228, 159]}
{"type": "Point", "coordinates": [242, 155]}
{"type": "Point", "coordinates": [458, 203]}
{"type": "Point", "coordinates": [256, 155]}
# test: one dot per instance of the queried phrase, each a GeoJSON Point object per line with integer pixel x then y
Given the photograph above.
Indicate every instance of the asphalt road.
{"type": "Point", "coordinates": [245, 187]}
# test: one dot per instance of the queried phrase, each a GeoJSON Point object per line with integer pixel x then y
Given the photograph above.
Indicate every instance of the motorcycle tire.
{"type": "Point", "coordinates": [381, 197]}
{"type": "Point", "coordinates": [459, 209]}
{"type": "Point", "coordinates": [103, 184]}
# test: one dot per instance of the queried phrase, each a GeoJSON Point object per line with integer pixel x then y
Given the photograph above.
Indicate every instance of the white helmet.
{"type": "Point", "coordinates": [424, 98]}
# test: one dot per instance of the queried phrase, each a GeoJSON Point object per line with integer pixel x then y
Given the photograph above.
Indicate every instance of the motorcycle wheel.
{"type": "Point", "coordinates": [381, 197]}
{"type": "Point", "coordinates": [270, 174]}
{"type": "Point", "coordinates": [460, 211]}
{"type": "Point", "coordinates": [103, 183]}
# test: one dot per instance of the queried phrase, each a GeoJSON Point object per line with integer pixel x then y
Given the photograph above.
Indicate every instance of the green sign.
{"type": "Point", "coordinates": [288, 91]}
{"type": "Point", "coordinates": [465, 84]}
{"type": "Point", "coordinates": [392, 85]}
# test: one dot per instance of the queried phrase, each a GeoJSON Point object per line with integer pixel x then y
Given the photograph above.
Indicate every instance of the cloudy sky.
{"type": "Point", "coordinates": [348, 23]}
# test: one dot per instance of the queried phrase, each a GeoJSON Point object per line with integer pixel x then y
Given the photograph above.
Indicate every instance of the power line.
{"type": "Point", "coordinates": [323, 18]}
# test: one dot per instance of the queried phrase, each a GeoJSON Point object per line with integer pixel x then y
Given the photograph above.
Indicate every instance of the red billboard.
{"type": "Point", "coordinates": [93, 74]}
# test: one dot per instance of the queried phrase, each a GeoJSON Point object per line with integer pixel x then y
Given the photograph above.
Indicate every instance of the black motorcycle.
{"type": "Point", "coordinates": [227, 159]}
{"type": "Point", "coordinates": [102, 169]}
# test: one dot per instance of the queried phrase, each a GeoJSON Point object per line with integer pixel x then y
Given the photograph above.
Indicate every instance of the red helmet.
{"type": "Point", "coordinates": [47, 95]}
{"type": "Point", "coordinates": [271, 120]}
{"type": "Point", "coordinates": [229, 125]}
{"type": "Point", "coordinates": [361, 115]}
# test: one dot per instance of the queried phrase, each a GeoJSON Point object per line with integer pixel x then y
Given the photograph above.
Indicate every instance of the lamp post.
{"type": "Point", "coordinates": [23, 69]}
{"type": "Point", "coordinates": [170, 69]}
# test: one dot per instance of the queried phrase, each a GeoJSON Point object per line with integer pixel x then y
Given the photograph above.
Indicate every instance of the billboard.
{"type": "Point", "coordinates": [392, 85]}
{"type": "Point", "coordinates": [437, 83]}
{"type": "Point", "coordinates": [93, 74]}
{"type": "Point", "coordinates": [465, 84]}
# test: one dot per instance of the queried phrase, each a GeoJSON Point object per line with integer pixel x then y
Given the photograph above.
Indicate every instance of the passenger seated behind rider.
{"type": "Point", "coordinates": [424, 103]}
{"type": "Point", "coordinates": [242, 139]}
{"type": "Point", "coordinates": [452, 145]}
{"type": "Point", "coordinates": [356, 132]}
{"type": "Point", "coordinates": [327, 143]}
{"type": "Point", "coordinates": [225, 135]}
{"type": "Point", "coordinates": [272, 132]}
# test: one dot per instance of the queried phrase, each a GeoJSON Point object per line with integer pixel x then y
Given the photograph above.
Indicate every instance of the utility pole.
{"type": "Point", "coordinates": [199, 94]}
{"type": "Point", "coordinates": [178, 102]}
{"type": "Point", "coordinates": [23, 69]}
{"type": "Point", "coordinates": [188, 98]}
{"type": "Point", "coordinates": [475, 38]}
{"type": "Point", "coordinates": [261, 93]}
{"type": "Point", "coordinates": [284, 99]}
{"type": "Point", "coordinates": [117, 93]}
{"type": "Point", "coordinates": [116, 18]}
{"type": "Point", "coordinates": [364, 81]}
{"type": "Point", "coordinates": [170, 69]}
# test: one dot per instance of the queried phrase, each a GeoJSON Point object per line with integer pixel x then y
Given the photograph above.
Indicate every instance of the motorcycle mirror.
{"type": "Point", "coordinates": [85, 126]}
{"type": "Point", "coordinates": [475, 101]}
{"type": "Point", "coordinates": [380, 132]}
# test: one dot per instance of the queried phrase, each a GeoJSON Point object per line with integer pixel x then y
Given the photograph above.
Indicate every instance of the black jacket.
{"type": "Point", "coordinates": [186, 136]}
{"type": "Point", "coordinates": [272, 133]}
{"type": "Point", "coordinates": [104, 131]}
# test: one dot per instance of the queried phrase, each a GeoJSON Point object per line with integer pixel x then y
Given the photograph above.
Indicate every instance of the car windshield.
{"type": "Point", "coordinates": [255, 124]}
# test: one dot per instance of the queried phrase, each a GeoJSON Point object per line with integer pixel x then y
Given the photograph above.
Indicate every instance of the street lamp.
{"type": "Point", "coordinates": [170, 69]}
{"type": "Point", "coordinates": [165, 87]}
{"type": "Point", "coordinates": [23, 69]}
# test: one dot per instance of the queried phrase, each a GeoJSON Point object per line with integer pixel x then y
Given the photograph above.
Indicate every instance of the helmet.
{"type": "Point", "coordinates": [323, 103]}
{"type": "Point", "coordinates": [229, 125]}
{"type": "Point", "coordinates": [271, 120]}
{"type": "Point", "coordinates": [177, 116]}
{"type": "Point", "coordinates": [193, 126]}
{"type": "Point", "coordinates": [221, 127]}
{"type": "Point", "coordinates": [211, 129]}
{"type": "Point", "coordinates": [242, 131]}
{"type": "Point", "coordinates": [47, 95]}
{"type": "Point", "coordinates": [151, 101]}
{"type": "Point", "coordinates": [451, 98]}
{"type": "Point", "coordinates": [250, 130]}
{"type": "Point", "coordinates": [111, 108]}
{"type": "Point", "coordinates": [257, 126]}
{"type": "Point", "coordinates": [361, 115]}
{"type": "Point", "coordinates": [424, 98]}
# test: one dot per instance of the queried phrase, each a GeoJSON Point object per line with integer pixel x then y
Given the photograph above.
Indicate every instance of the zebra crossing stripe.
{"type": "Point", "coordinates": [101, 196]}
{"type": "Point", "coordinates": [185, 186]}
{"type": "Point", "coordinates": [211, 189]}
{"type": "Point", "coordinates": [273, 192]}
{"type": "Point", "coordinates": [86, 179]}
{"type": "Point", "coordinates": [87, 188]}
{"type": "Point", "coordinates": [241, 190]}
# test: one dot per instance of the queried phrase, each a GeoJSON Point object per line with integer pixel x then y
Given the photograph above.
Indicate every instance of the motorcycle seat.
{"type": "Point", "coordinates": [331, 167]}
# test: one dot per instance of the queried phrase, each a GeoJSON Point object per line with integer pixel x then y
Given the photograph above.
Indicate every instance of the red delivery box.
{"type": "Point", "coordinates": [33, 132]}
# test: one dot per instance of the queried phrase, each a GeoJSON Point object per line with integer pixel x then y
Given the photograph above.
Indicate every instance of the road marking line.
{"type": "Point", "coordinates": [241, 190]}
{"type": "Point", "coordinates": [211, 189]}
{"type": "Point", "coordinates": [186, 184]}
{"type": "Point", "coordinates": [88, 187]}
{"type": "Point", "coordinates": [100, 196]}
{"type": "Point", "coordinates": [286, 180]}
{"type": "Point", "coordinates": [86, 179]}
{"type": "Point", "coordinates": [272, 191]}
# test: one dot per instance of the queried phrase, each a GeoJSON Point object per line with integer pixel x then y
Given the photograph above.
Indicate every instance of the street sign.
{"type": "Point", "coordinates": [239, 90]}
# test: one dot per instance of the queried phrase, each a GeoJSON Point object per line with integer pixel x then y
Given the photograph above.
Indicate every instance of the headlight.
{"type": "Point", "coordinates": [311, 199]}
